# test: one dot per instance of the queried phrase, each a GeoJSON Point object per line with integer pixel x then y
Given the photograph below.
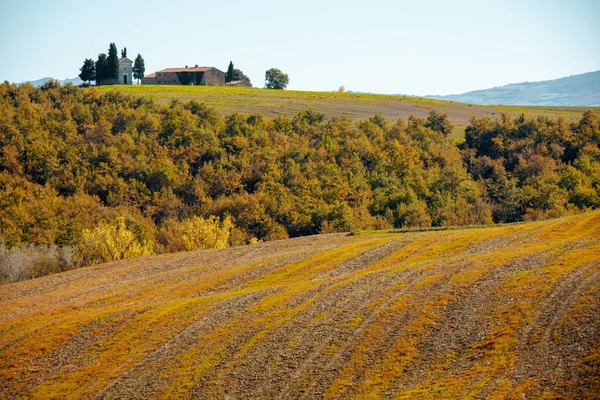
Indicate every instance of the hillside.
{"type": "Point", "coordinates": [354, 106]}
{"type": "Point", "coordinates": [507, 311]}
{"type": "Point", "coordinates": [77, 165]}
{"type": "Point", "coordinates": [575, 90]}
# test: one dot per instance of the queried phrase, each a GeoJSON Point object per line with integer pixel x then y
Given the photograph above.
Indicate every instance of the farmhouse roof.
{"type": "Point", "coordinates": [190, 69]}
{"type": "Point", "coordinates": [233, 83]}
{"type": "Point", "coordinates": [152, 75]}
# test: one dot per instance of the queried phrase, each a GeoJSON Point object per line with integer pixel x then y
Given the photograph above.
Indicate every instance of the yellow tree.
{"type": "Point", "coordinates": [108, 242]}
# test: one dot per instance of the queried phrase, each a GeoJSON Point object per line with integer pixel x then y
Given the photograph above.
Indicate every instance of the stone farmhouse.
{"type": "Point", "coordinates": [205, 76]}
{"type": "Point", "coordinates": [125, 73]}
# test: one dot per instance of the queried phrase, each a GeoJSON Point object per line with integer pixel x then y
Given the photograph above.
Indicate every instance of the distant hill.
{"type": "Point", "coordinates": [41, 81]}
{"type": "Point", "coordinates": [575, 90]}
{"type": "Point", "coordinates": [500, 312]}
{"type": "Point", "coordinates": [356, 106]}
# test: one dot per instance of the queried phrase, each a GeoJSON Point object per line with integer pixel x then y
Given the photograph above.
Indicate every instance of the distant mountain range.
{"type": "Point", "coordinates": [575, 90]}
{"type": "Point", "coordinates": [40, 82]}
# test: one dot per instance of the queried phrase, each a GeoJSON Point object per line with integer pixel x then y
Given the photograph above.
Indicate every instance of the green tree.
{"type": "Point", "coordinates": [139, 68]}
{"type": "Point", "coordinates": [101, 69]}
{"type": "Point", "coordinates": [124, 52]}
{"type": "Point", "coordinates": [439, 122]}
{"type": "Point", "coordinates": [88, 70]}
{"type": "Point", "coordinates": [229, 74]}
{"type": "Point", "coordinates": [238, 75]}
{"type": "Point", "coordinates": [275, 79]}
{"type": "Point", "coordinates": [113, 62]}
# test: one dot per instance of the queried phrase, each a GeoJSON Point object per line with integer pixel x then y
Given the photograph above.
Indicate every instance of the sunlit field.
{"type": "Point", "coordinates": [492, 312]}
{"type": "Point", "coordinates": [333, 104]}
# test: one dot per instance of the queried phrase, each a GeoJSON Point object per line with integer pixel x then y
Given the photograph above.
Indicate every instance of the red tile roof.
{"type": "Point", "coordinates": [152, 75]}
{"type": "Point", "coordinates": [190, 69]}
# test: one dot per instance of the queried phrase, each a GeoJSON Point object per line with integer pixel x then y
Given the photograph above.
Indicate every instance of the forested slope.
{"type": "Point", "coordinates": [508, 311]}
{"type": "Point", "coordinates": [75, 161]}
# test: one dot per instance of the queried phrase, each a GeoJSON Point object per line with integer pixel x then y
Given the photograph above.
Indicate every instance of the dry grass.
{"type": "Point", "coordinates": [495, 312]}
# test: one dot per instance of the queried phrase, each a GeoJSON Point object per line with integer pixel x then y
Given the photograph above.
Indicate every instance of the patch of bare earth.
{"type": "Point", "coordinates": [552, 346]}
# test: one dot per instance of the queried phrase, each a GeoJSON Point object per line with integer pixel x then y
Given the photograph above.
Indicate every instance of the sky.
{"type": "Point", "coordinates": [397, 47]}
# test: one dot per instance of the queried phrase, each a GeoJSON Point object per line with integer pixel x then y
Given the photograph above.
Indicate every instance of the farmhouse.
{"type": "Point", "coordinates": [149, 79]}
{"type": "Point", "coordinates": [125, 73]}
{"type": "Point", "coordinates": [206, 76]}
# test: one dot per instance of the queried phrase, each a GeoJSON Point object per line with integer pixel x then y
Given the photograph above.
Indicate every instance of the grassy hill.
{"type": "Point", "coordinates": [355, 106]}
{"type": "Point", "coordinates": [505, 311]}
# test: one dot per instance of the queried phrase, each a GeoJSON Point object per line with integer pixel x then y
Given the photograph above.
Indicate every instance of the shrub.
{"type": "Point", "coordinates": [32, 261]}
{"type": "Point", "coordinates": [108, 242]}
{"type": "Point", "coordinates": [414, 215]}
{"type": "Point", "coordinates": [198, 233]}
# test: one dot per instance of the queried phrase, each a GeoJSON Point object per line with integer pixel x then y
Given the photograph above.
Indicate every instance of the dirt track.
{"type": "Point", "coordinates": [510, 311]}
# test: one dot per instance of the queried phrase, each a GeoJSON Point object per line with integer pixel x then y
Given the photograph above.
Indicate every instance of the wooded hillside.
{"type": "Point", "coordinates": [72, 159]}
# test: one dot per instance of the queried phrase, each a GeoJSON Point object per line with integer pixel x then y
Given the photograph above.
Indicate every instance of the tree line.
{"type": "Point", "coordinates": [274, 78]}
{"type": "Point", "coordinates": [76, 164]}
{"type": "Point", "coordinates": [106, 68]}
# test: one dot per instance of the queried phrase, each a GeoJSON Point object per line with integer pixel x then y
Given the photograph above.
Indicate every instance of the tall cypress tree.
{"type": "Point", "coordinates": [139, 69]}
{"type": "Point", "coordinates": [113, 62]}
{"type": "Point", "coordinates": [229, 75]}
{"type": "Point", "coordinates": [124, 52]}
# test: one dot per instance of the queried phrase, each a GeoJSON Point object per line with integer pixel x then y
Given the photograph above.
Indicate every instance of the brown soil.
{"type": "Point", "coordinates": [340, 326]}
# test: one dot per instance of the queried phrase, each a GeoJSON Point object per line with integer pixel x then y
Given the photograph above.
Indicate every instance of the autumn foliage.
{"type": "Point", "coordinates": [74, 162]}
{"type": "Point", "coordinates": [108, 242]}
{"type": "Point", "coordinates": [197, 233]}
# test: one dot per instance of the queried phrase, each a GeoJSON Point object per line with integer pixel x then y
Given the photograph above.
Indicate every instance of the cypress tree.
{"type": "Point", "coordinates": [229, 75]}
{"type": "Point", "coordinates": [139, 69]}
{"type": "Point", "coordinates": [124, 52]}
{"type": "Point", "coordinates": [113, 63]}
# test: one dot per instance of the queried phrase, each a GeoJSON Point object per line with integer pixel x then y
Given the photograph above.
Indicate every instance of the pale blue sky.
{"type": "Point", "coordinates": [412, 47]}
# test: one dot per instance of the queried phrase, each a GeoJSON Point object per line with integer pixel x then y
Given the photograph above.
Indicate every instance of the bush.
{"type": "Point", "coordinates": [198, 233]}
{"type": "Point", "coordinates": [109, 242]}
{"type": "Point", "coordinates": [32, 261]}
{"type": "Point", "coordinates": [414, 215]}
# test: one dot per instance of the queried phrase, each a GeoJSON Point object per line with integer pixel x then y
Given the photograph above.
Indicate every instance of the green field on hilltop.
{"type": "Point", "coordinates": [350, 105]}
